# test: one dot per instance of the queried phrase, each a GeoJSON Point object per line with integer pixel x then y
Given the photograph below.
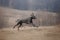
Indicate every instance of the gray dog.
{"type": "Point", "coordinates": [27, 21]}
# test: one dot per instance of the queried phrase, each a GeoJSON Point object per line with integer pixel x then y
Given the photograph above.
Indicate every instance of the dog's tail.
{"type": "Point", "coordinates": [17, 20]}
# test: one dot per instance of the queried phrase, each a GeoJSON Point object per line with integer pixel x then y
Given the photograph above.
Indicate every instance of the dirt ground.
{"type": "Point", "coordinates": [30, 33]}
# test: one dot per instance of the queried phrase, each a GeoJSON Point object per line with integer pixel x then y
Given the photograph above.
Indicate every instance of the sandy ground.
{"type": "Point", "coordinates": [29, 33]}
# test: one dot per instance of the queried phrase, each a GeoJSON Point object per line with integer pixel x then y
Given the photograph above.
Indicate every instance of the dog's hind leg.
{"type": "Point", "coordinates": [19, 26]}
{"type": "Point", "coordinates": [15, 25]}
